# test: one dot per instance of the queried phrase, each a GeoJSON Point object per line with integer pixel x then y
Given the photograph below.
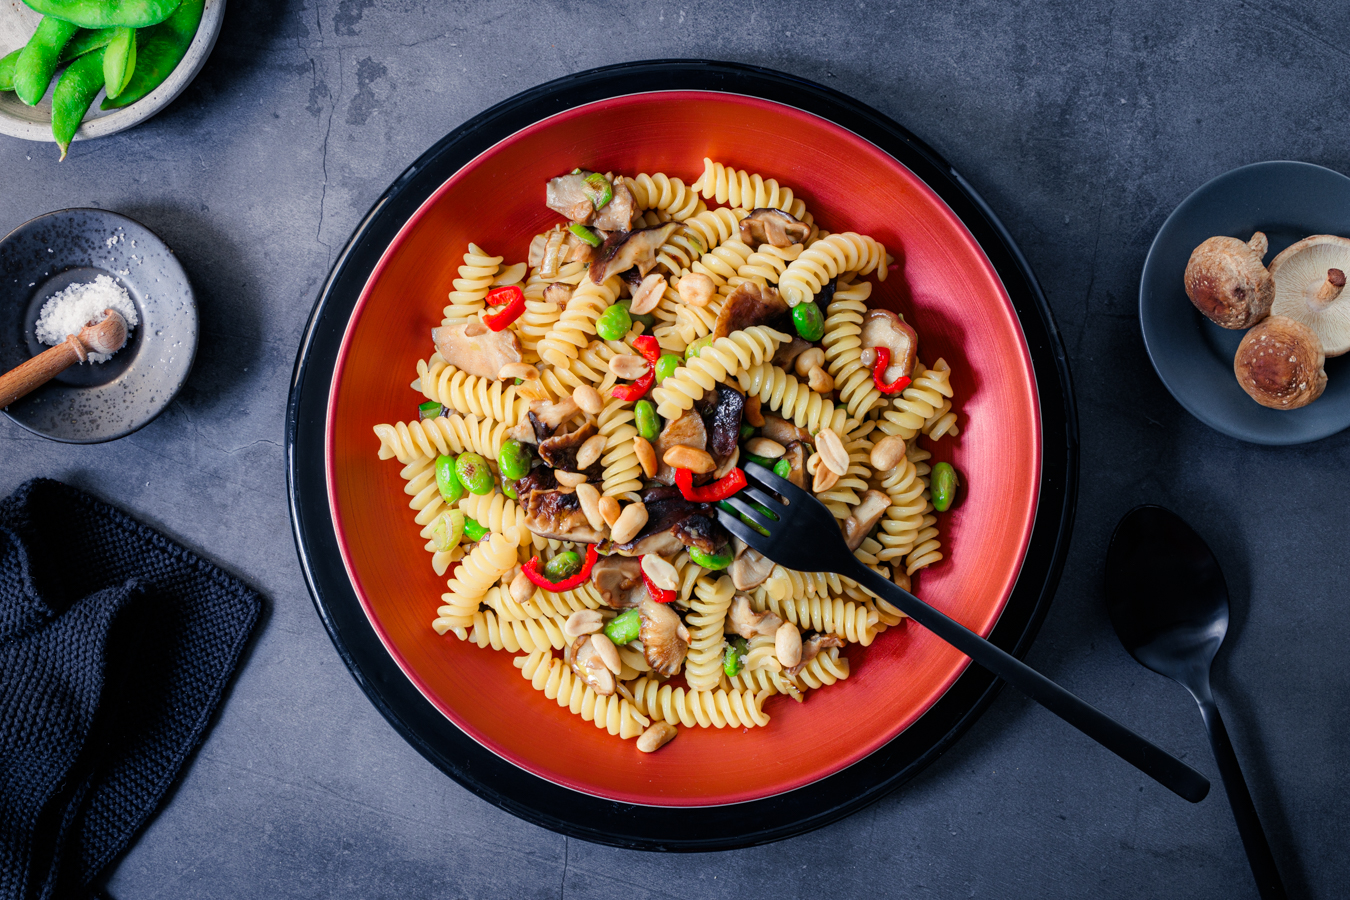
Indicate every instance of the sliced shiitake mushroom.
{"type": "Point", "coordinates": [796, 455]}
{"type": "Point", "coordinates": [624, 250]}
{"type": "Point", "coordinates": [750, 305]}
{"type": "Point", "coordinates": [618, 581]}
{"type": "Point", "coordinates": [746, 622]}
{"type": "Point", "coordinates": [617, 214]}
{"type": "Point", "coordinates": [866, 514]}
{"type": "Point", "coordinates": [686, 431]}
{"type": "Point", "coordinates": [474, 348]}
{"type": "Point", "coordinates": [883, 328]}
{"type": "Point", "coordinates": [665, 640]}
{"type": "Point", "coordinates": [560, 451]}
{"type": "Point", "coordinates": [811, 648]}
{"type": "Point", "coordinates": [585, 660]}
{"type": "Point", "coordinates": [773, 226]}
{"type": "Point", "coordinates": [750, 568]}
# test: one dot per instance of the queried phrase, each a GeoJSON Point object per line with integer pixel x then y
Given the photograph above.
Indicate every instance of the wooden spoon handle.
{"type": "Point", "coordinates": [39, 370]}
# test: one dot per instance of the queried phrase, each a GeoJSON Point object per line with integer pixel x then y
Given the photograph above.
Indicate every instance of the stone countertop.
{"type": "Point", "coordinates": [1082, 125]}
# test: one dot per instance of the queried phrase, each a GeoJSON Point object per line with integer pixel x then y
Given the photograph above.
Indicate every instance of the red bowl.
{"type": "Point", "coordinates": [946, 287]}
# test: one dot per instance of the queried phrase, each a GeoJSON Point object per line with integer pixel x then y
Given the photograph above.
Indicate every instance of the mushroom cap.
{"type": "Point", "coordinates": [1301, 273]}
{"type": "Point", "coordinates": [883, 328]}
{"type": "Point", "coordinates": [1227, 283]}
{"type": "Point", "coordinates": [1279, 364]}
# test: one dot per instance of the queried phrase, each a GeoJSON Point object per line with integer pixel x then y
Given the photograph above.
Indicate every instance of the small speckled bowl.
{"type": "Point", "coordinates": [95, 402]}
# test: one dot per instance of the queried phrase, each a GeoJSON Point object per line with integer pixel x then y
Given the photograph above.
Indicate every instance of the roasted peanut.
{"type": "Point", "coordinates": [648, 294]}
{"type": "Point", "coordinates": [609, 510]}
{"type": "Point", "coordinates": [696, 289]}
{"type": "Point", "coordinates": [589, 399]}
{"type": "Point", "coordinates": [605, 649]}
{"type": "Point", "coordinates": [589, 498]}
{"type": "Point", "coordinates": [524, 371]}
{"type": "Point", "coordinates": [569, 479]}
{"type": "Point", "coordinates": [700, 462]}
{"type": "Point", "coordinates": [887, 453]}
{"type": "Point", "coordinates": [787, 645]}
{"type": "Point", "coordinates": [658, 735]}
{"type": "Point", "coordinates": [521, 588]}
{"type": "Point", "coordinates": [824, 479]}
{"type": "Point", "coordinates": [628, 366]}
{"type": "Point", "coordinates": [831, 450]}
{"type": "Point", "coordinates": [661, 572]}
{"type": "Point", "coordinates": [629, 523]}
{"type": "Point", "coordinates": [762, 446]}
{"type": "Point", "coordinates": [583, 621]}
{"type": "Point", "coordinates": [646, 455]}
{"type": "Point", "coordinates": [819, 380]}
{"type": "Point", "coordinates": [589, 452]}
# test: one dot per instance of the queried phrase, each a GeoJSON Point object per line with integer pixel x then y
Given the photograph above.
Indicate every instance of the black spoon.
{"type": "Point", "coordinates": [1169, 605]}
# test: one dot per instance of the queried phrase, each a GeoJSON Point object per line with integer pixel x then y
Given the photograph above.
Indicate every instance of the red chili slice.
{"type": "Point", "coordinates": [538, 578]}
{"type": "Point", "coordinates": [513, 297]}
{"type": "Point", "coordinates": [879, 373]}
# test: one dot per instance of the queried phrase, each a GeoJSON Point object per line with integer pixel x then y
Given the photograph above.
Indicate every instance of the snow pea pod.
{"type": "Point", "coordinates": [159, 53]}
{"type": "Point", "coordinates": [119, 61]}
{"type": "Point", "coordinates": [7, 70]}
{"type": "Point", "coordinates": [76, 89]}
{"type": "Point", "coordinates": [107, 13]}
{"type": "Point", "coordinates": [37, 62]}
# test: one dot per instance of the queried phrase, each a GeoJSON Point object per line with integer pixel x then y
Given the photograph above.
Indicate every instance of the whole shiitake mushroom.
{"type": "Point", "coordinates": [1279, 364]}
{"type": "Point", "coordinates": [1227, 282]}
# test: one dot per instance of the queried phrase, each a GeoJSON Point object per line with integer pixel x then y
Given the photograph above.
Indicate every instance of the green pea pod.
{"type": "Point", "coordinates": [37, 61]}
{"type": "Point", "coordinates": [107, 13]}
{"type": "Point", "coordinates": [75, 91]}
{"type": "Point", "coordinates": [86, 41]}
{"type": "Point", "coordinates": [7, 70]}
{"type": "Point", "coordinates": [159, 53]}
{"type": "Point", "coordinates": [119, 61]}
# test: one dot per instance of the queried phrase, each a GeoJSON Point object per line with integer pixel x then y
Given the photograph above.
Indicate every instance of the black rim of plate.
{"type": "Point", "coordinates": [524, 794]}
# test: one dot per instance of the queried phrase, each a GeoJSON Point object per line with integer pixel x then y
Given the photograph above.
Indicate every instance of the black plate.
{"type": "Point", "coordinates": [1193, 356]}
{"type": "Point", "coordinates": [96, 402]}
{"type": "Point", "coordinates": [531, 797]}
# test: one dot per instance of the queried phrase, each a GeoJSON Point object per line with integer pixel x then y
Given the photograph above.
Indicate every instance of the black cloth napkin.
{"type": "Point", "coordinates": [116, 645]}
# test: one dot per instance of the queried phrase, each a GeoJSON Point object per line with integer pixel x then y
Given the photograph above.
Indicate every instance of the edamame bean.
{"type": "Point", "coordinates": [624, 628]}
{"type": "Point", "coordinates": [38, 59]}
{"type": "Point", "coordinates": [75, 91]}
{"type": "Point", "coordinates": [159, 53]}
{"type": "Point", "coordinates": [712, 561]}
{"type": "Point", "coordinates": [429, 410]}
{"type": "Point", "coordinates": [119, 60]}
{"type": "Point", "coordinates": [474, 530]}
{"type": "Point", "coordinates": [474, 473]}
{"type": "Point", "coordinates": [7, 70]}
{"type": "Point", "coordinates": [514, 459]}
{"type": "Point", "coordinates": [747, 431]}
{"type": "Point", "coordinates": [734, 657]}
{"type": "Point", "coordinates": [107, 13]}
{"type": "Point", "coordinates": [697, 347]}
{"type": "Point", "coordinates": [644, 417]}
{"type": "Point", "coordinates": [782, 468]}
{"type": "Point", "coordinates": [447, 482]}
{"type": "Point", "coordinates": [807, 319]}
{"type": "Point", "coordinates": [944, 485]}
{"type": "Point", "coordinates": [562, 566]}
{"type": "Point", "coordinates": [509, 489]}
{"type": "Point", "coordinates": [85, 41]}
{"type": "Point", "coordinates": [666, 366]}
{"type": "Point", "coordinates": [647, 319]}
{"type": "Point", "coordinates": [724, 505]}
{"type": "Point", "coordinates": [613, 324]}
{"type": "Point", "coordinates": [764, 461]}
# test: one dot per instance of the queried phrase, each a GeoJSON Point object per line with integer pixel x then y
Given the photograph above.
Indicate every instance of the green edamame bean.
{"type": "Point", "coordinates": [943, 485]}
{"type": "Point", "coordinates": [75, 91]}
{"type": "Point", "coordinates": [447, 482]}
{"type": "Point", "coordinates": [808, 320]}
{"type": "Point", "coordinates": [474, 473]}
{"type": "Point", "coordinates": [711, 560]}
{"type": "Point", "coordinates": [647, 319]}
{"type": "Point", "coordinates": [509, 489]}
{"type": "Point", "coordinates": [429, 410]}
{"type": "Point", "coordinates": [782, 468]}
{"type": "Point", "coordinates": [514, 459]}
{"type": "Point", "coordinates": [107, 13]}
{"type": "Point", "coordinates": [7, 69]}
{"type": "Point", "coordinates": [644, 417]}
{"type": "Point", "coordinates": [724, 505]}
{"type": "Point", "coordinates": [734, 656]}
{"type": "Point", "coordinates": [159, 51]}
{"type": "Point", "coordinates": [613, 323]}
{"type": "Point", "coordinates": [119, 61]}
{"type": "Point", "coordinates": [85, 41]}
{"type": "Point", "coordinates": [562, 566]}
{"type": "Point", "coordinates": [624, 628]}
{"type": "Point", "coordinates": [747, 431]}
{"type": "Point", "coordinates": [666, 366]}
{"type": "Point", "coordinates": [474, 530]}
{"type": "Point", "coordinates": [38, 60]}
{"type": "Point", "coordinates": [697, 346]}
{"type": "Point", "coordinates": [757, 460]}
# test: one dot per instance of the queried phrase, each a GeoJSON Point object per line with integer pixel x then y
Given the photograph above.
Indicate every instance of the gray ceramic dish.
{"type": "Point", "coordinates": [1192, 355]}
{"type": "Point", "coordinates": [91, 402]}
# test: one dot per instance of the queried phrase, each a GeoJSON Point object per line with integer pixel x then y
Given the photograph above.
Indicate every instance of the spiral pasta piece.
{"type": "Point", "coordinates": [622, 473]}
{"type": "Point", "coordinates": [576, 325]}
{"type": "Point", "coordinates": [761, 654]}
{"type": "Point", "coordinates": [541, 604]}
{"type": "Point", "coordinates": [661, 192]}
{"type": "Point", "coordinates": [845, 618]}
{"type": "Point", "coordinates": [541, 314]}
{"type": "Point", "coordinates": [825, 259]}
{"type": "Point", "coordinates": [482, 568]}
{"type": "Point", "coordinates": [783, 393]}
{"type": "Point", "coordinates": [472, 285]}
{"type": "Point", "coordinates": [701, 233]}
{"type": "Point", "coordinates": [557, 682]}
{"type": "Point", "coordinates": [906, 414]}
{"type": "Point", "coordinates": [902, 520]}
{"type": "Point", "coordinates": [926, 543]}
{"type": "Point", "coordinates": [469, 395]}
{"type": "Point", "coordinates": [765, 266]}
{"type": "Point", "coordinates": [452, 434]}
{"type": "Point", "coordinates": [783, 583]}
{"type": "Point", "coordinates": [709, 709]}
{"type": "Point", "coordinates": [843, 495]}
{"type": "Point", "coordinates": [763, 681]}
{"type": "Point", "coordinates": [721, 360]}
{"type": "Point", "coordinates": [738, 187]}
{"type": "Point", "coordinates": [943, 420]}
{"type": "Point", "coordinates": [487, 629]}
{"type": "Point", "coordinates": [827, 668]}
{"type": "Point", "coordinates": [499, 513]}
{"type": "Point", "coordinates": [707, 616]}
{"type": "Point", "coordinates": [842, 343]}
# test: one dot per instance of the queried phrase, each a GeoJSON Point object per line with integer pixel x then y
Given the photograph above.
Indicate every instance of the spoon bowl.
{"type": "Point", "coordinates": [1168, 603]}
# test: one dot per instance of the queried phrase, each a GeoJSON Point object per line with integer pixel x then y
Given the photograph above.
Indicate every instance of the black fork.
{"type": "Point", "coordinates": [798, 532]}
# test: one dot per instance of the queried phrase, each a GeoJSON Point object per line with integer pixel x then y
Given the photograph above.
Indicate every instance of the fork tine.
{"type": "Point", "coordinates": [748, 511]}
{"type": "Point", "coordinates": [743, 531]}
{"type": "Point", "coordinates": [780, 486]}
{"type": "Point", "coordinates": [767, 500]}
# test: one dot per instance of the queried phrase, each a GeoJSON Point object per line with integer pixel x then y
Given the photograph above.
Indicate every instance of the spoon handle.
{"type": "Point", "coordinates": [1244, 811]}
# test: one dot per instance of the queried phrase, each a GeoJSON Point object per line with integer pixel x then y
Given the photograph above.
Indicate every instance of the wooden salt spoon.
{"type": "Point", "coordinates": [106, 336]}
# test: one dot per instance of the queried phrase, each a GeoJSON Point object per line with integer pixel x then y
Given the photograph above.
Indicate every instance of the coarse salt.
{"type": "Point", "coordinates": [70, 310]}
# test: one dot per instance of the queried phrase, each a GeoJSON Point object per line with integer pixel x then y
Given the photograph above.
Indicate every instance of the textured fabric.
{"type": "Point", "coordinates": [116, 645]}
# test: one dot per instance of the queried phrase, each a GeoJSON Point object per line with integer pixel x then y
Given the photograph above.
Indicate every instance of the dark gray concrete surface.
{"type": "Point", "coordinates": [1083, 124]}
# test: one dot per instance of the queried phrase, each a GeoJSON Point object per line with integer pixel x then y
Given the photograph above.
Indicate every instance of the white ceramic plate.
{"type": "Point", "coordinates": [34, 123]}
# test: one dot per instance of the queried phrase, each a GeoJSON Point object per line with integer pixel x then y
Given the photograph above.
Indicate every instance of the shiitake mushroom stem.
{"type": "Point", "coordinates": [1330, 289]}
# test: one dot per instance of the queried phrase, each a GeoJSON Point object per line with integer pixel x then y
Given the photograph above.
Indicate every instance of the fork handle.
{"type": "Point", "coordinates": [1159, 765]}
